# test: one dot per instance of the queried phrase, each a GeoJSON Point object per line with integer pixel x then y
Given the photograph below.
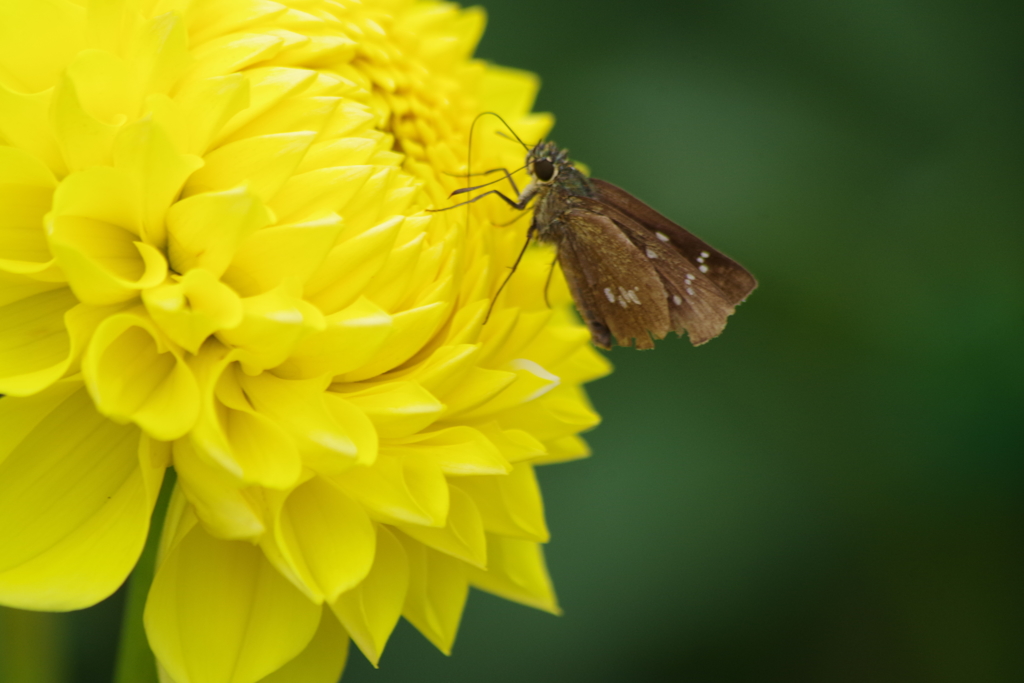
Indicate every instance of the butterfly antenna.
{"type": "Point", "coordinates": [503, 122]}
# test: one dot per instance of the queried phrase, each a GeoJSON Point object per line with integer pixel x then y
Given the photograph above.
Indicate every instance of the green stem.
{"type": "Point", "coordinates": [135, 661]}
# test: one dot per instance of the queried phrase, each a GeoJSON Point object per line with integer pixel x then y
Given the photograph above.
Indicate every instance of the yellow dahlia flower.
{"type": "Point", "coordinates": [215, 255]}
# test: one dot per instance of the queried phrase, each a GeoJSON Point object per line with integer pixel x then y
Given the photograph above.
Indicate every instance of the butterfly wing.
{"type": "Point", "coordinates": [702, 285]}
{"type": "Point", "coordinates": [616, 288]}
{"type": "Point", "coordinates": [733, 280]}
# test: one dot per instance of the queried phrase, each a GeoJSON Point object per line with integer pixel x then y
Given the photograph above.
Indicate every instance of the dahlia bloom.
{"type": "Point", "coordinates": [216, 256]}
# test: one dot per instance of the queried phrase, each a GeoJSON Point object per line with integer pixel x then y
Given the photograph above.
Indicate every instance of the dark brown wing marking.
{"type": "Point", "coordinates": [615, 284]}
{"type": "Point", "coordinates": [734, 281]}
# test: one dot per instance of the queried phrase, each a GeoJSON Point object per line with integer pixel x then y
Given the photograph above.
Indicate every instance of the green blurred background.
{"type": "Point", "coordinates": [831, 491]}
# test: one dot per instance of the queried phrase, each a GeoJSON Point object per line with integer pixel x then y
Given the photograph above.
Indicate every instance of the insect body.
{"type": "Point", "coordinates": [633, 273]}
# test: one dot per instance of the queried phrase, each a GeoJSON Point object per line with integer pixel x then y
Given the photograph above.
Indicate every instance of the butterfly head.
{"type": "Point", "coordinates": [545, 160]}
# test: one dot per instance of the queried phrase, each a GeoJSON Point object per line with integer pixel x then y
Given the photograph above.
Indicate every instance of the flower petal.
{"type": "Point", "coordinates": [510, 505]}
{"type": "Point", "coordinates": [331, 434]}
{"type": "Point", "coordinates": [322, 661]}
{"type": "Point", "coordinates": [462, 536]}
{"type": "Point", "coordinates": [399, 490]}
{"type": "Point", "coordinates": [438, 588]}
{"type": "Point", "coordinates": [397, 409]}
{"type": "Point", "coordinates": [72, 494]}
{"type": "Point", "coordinates": [205, 230]}
{"type": "Point", "coordinates": [263, 163]}
{"type": "Point", "coordinates": [145, 152]}
{"type": "Point", "coordinates": [26, 192]}
{"type": "Point", "coordinates": [230, 509]}
{"type": "Point", "coordinates": [37, 63]}
{"type": "Point", "coordinates": [516, 571]}
{"type": "Point", "coordinates": [250, 446]}
{"type": "Point", "coordinates": [370, 611]}
{"type": "Point", "coordinates": [218, 612]}
{"type": "Point", "coordinates": [133, 374]}
{"type": "Point", "coordinates": [272, 325]}
{"type": "Point", "coordinates": [193, 308]}
{"type": "Point", "coordinates": [350, 338]}
{"type": "Point", "coordinates": [326, 538]}
{"type": "Point", "coordinates": [271, 255]}
{"type": "Point", "coordinates": [458, 450]}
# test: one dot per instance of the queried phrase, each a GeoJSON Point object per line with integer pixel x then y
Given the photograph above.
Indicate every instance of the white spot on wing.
{"type": "Point", "coordinates": [689, 290]}
{"type": "Point", "coordinates": [631, 295]}
{"type": "Point", "coordinates": [677, 300]}
{"type": "Point", "coordinates": [703, 268]}
{"type": "Point", "coordinates": [651, 253]}
{"type": "Point", "coordinates": [608, 293]}
{"type": "Point", "coordinates": [704, 254]}
{"type": "Point", "coordinates": [661, 236]}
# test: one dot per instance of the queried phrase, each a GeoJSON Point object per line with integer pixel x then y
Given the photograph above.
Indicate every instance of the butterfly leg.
{"type": "Point", "coordinates": [529, 236]}
{"type": "Point", "coordinates": [508, 176]}
{"type": "Point", "coordinates": [547, 283]}
{"type": "Point", "coordinates": [518, 206]}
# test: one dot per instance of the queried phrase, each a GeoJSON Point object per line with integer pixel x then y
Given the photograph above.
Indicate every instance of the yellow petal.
{"type": "Point", "coordinates": [478, 386]}
{"type": "Point", "coordinates": [516, 571]}
{"type": "Point", "coordinates": [445, 369]}
{"type": "Point", "coordinates": [532, 381]}
{"type": "Point", "coordinates": [564, 449]}
{"type": "Point", "coordinates": [248, 445]}
{"type": "Point", "coordinates": [94, 233]}
{"type": "Point", "coordinates": [508, 91]}
{"type": "Point", "coordinates": [26, 190]}
{"type": "Point", "coordinates": [83, 140]}
{"type": "Point", "coordinates": [72, 494]}
{"type": "Point", "coordinates": [267, 87]}
{"type": "Point", "coordinates": [134, 375]}
{"type": "Point", "coordinates": [210, 20]}
{"type": "Point", "coordinates": [36, 62]}
{"type": "Point", "coordinates": [207, 104]}
{"type": "Point", "coordinates": [462, 536]}
{"type": "Point", "coordinates": [412, 329]}
{"type": "Point", "coordinates": [515, 445]}
{"type": "Point", "coordinates": [510, 505]}
{"type": "Point", "coordinates": [438, 588]}
{"type": "Point", "coordinates": [145, 153]}
{"type": "Point", "coordinates": [350, 265]}
{"type": "Point", "coordinates": [562, 412]}
{"type": "Point", "coordinates": [160, 57]}
{"type": "Point", "coordinates": [331, 434]}
{"type": "Point", "coordinates": [35, 348]}
{"type": "Point", "coordinates": [193, 308]}
{"type": "Point", "coordinates": [218, 612]}
{"type": "Point", "coordinates": [204, 231]}
{"type": "Point", "coordinates": [399, 490]}
{"type": "Point", "coordinates": [231, 53]}
{"type": "Point", "coordinates": [263, 163]}
{"type": "Point", "coordinates": [370, 611]}
{"type": "Point", "coordinates": [326, 538]}
{"type": "Point", "coordinates": [350, 337]}
{"type": "Point", "coordinates": [20, 115]}
{"type": "Point", "coordinates": [397, 409]}
{"type": "Point", "coordinates": [272, 325]}
{"type": "Point", "coordinates": [226, 505]}
{"type": "Point", "coordinates": [458, 450]}
{"type": "Point", "coordinates": [322, 661]}
{"type": "Point", "coordinates": [274, 254]}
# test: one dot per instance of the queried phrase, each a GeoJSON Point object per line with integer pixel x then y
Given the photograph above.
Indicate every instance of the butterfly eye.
{"type": "Point", "coordinates": [544, 170]}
